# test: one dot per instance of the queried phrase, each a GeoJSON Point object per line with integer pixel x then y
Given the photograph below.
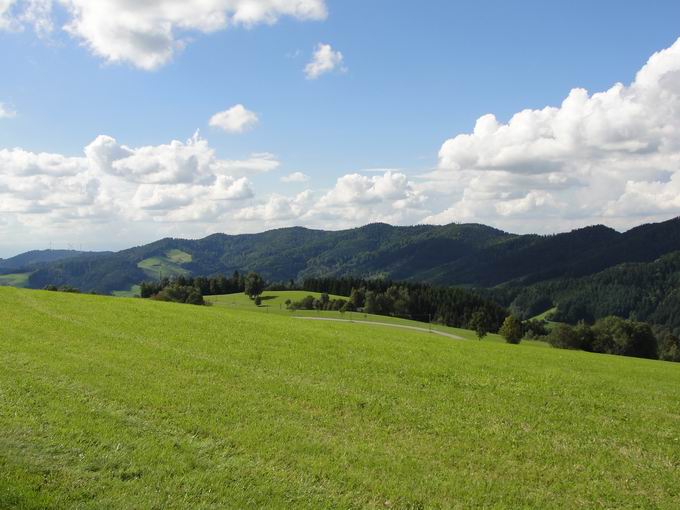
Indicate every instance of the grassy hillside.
{"type": "Point", "coordinates": [275, 302]}
{"type": "Point", "coordinates": [167, 264]}
{"type": "Point", "coordinates": [129, 403]}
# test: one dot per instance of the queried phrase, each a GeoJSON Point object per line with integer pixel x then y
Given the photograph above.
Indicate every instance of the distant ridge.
{"type": "Point", "coordinates": [471, 255]}
{"type": "Point", "coordinates": [35, 257]}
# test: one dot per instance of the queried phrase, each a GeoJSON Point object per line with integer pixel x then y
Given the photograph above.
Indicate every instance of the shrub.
{"type": "Point", "coordinates": [511, 330]}
{"type": "Point", "coordinates": [479, 323]}
{"type": "Point", "coordinates": [534, 328]}
{"type": "Point", "coordinates": [254, 285]}
{"type": "Point", "coordinates": [669, 346]}
{"type": "Point", "coordinates": [614, 335]}
{"type": "Point", "coordinates": [564, 336]}
{"type": "Point", "coordinates": [180, 294]}
{"type": "Point", "coordinates": [63, 288]}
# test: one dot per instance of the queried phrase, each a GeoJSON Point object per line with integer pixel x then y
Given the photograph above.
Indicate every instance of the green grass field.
{"type": "Point", "coordinates": [168, 265]}
{"type": "Point", "coordinates": [275, 302]}
{"type": "Point", "coordinates": [14, 280]}
{"type": "Point", "coordinates": [128, 403]}
{"type": "Point", "coordinates": [178, 256]}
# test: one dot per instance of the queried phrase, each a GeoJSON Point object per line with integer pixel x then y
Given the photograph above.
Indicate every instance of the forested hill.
{"type": "Point", "coordinates": [648, 291]}
{"type": "Point", "coordinates": [465, 255]}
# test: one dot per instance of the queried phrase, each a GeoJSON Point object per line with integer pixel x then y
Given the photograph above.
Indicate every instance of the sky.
{"type": "Point", "coordinates": [123, 121]}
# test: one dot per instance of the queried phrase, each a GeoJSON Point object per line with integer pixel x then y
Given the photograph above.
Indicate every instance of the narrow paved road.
{"type": "Point", "coordinates": [388, 324]}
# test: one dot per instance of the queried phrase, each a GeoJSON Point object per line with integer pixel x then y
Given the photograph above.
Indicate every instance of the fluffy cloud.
{"type": "Point", "coordinates": [295, 177]}
{"type": "Point", "coordinates": [356, 189]}
{"type": "Point", "coordinates": [354, 200]}
{"type": "Point", "coordinates": [257, 163]}
{"type": "Point", "coordinates": [6, 112]}
{"type": "Point", "coordinates": [123, 186]}
{"type": "Point", "coordinates": [176, 162]}
{"type": "Point", "coordinates": [278, 208]}
{"type": "Point", "coordinates": [236, 119]}
{"type": "Point", "coordinates": [611, 156]}
{"type": "Point", "coordinates": [148, 33]}
{"type": "Point", "coordinates": [324, 60]}
{"type": "Point", "coordinates": [180, 189]}
{"type": "Point", "coordinates": [15, 14]}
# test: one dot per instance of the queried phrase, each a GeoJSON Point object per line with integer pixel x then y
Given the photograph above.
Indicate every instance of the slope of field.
{"type": "Point", "coordinates": [275, 302]}
{"type": "Point", "coordinates": [129, 403]}
{"type": "Point", "coordinates": [168, 264]}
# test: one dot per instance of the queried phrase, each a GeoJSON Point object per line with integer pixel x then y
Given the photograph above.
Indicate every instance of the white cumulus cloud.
{"type": "Point", "coordinates": [612, 156]}
{"type": "Point", "coordinates": [278, 208]}
{"type": "Point", "coordinates": [236, 119]}
{"type": "Point", "coordinates": [295, 177]}
{"type": "Point", "coordinates": [257, 163]}
{"type": "Point", "coordinates": [354, 200]}
{"type": "Point", "coordinates": [127, 188]}
{"type": "Point", "coordinates": [148, 34]}
{"type": "Point", "coordinates": [324, 60]}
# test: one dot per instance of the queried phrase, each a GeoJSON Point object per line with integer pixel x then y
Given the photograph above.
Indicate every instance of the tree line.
{"type": "Point", "coordinates": [206, 286]}
{"type": "Point", "coordinates": [190, 290]}
{"type": "Point", "coordinates": [615, 335]}
{"type": "Point", "coordinates": [449, 306]}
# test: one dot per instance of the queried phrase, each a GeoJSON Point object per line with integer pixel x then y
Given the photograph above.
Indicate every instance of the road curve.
{"type": "Point", "coordinates": [388, 324]}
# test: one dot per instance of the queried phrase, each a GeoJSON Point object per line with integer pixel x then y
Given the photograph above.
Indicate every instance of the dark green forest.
{"type": "Point", "coordinates": [648, 292]}
{"type": "Point", "coordinates": [468, 255]}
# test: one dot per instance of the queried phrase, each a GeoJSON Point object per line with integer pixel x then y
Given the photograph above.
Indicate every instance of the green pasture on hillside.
{"type": "Point", "coordinates": [275, 302]}
{"type": "Point", "coordinates": [14, 280]}
{"type": "Point", "coordinates": [168, 265]}
{"type": "Point", "coordinates": [178, 256]}
{"type": "Point", "coordinates": [129, 403]}
{"type": "Point", "coordinates": [546, 316]}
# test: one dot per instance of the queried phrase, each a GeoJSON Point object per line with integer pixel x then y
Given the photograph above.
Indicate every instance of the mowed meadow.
{"type": "Point", "coordinates": [129, 403]}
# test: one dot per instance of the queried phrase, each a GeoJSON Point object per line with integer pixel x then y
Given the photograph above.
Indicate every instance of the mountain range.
{"type": "Point", "coordinates": [470, 255]}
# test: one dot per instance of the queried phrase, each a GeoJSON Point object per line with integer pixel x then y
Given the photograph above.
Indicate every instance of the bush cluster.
{"type": "Point", "coordinates": [323, 302]}
{"type": "Point", "coordinates": [180, 294]}
{"type": "Point", "coordinates": [61, 288]}
{"type": "Point", "coordinates": [610, 335]}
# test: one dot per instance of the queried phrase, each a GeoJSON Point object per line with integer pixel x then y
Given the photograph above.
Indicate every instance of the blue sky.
{"type": "Point", "coordinates": [412, 76]}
